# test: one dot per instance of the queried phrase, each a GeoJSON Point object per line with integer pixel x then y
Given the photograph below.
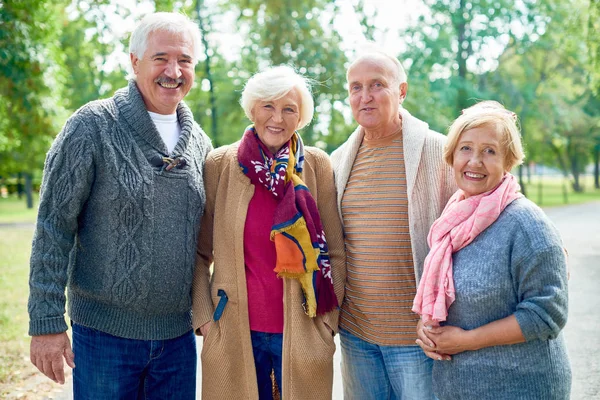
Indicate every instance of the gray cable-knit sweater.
{"type": "Point", "coordinates": [114, 227]}
{"type": "Point", "coordinates": [516, 266]}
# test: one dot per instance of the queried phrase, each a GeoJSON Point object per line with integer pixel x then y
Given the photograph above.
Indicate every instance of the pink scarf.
{"type": "Point", "coordinates": [461, 221]}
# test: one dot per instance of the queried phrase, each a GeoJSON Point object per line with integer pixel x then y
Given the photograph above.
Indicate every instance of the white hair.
{"type": "Point", "coordinates": [167, 22]}
{"type": "Point", "coordinates": [272, 84]}
{"type": "Point", "coordinates": [372, 52]}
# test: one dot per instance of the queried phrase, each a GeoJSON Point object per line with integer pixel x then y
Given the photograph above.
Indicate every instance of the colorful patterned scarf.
{"type": "Point", "coordinates": [300, 243]}
{"type": "Point", "coordinates": [461, 221]}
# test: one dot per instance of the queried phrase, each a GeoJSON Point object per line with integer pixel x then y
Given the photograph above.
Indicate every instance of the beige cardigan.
{"type": "Point", "coordinates": [430, 181]}
{"type": "Point", "coordinates": [228, 370]}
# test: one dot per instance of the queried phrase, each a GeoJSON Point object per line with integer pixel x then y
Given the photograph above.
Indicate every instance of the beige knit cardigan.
{"type": "Point", "coordinates": [228, 370]}
{"type": "Point", "coordinates": [430, 181]}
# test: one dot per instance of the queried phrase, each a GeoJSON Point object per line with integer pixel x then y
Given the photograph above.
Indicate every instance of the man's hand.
{"type": "Point", "coordinates": [205, 328]}
{"type": "Point", "coordinates": [46, 353]}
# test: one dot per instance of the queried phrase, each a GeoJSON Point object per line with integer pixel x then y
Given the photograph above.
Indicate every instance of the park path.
{"type": "Point", "coordinates": [579, 226]}
{"type": "Point", "coordinates": [580, 230]}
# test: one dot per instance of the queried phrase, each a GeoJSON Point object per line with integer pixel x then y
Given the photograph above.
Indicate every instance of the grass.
{"type": "Point", "coordinates": [557, 191]}
{"type": "Point", "coordinates": [15, 247]}
{"type": "Point", "coordinates": [14, 210]}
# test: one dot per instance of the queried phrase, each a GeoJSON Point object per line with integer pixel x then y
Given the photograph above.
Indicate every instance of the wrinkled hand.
{"type": "Point", "coordinates": [46, 353]}
{"type": "Point", "coordinates": [205, 328]}
{"type": "Point", "coordinates": [449, 339]}
{"type": "Point", "coordinates": [427, 344]}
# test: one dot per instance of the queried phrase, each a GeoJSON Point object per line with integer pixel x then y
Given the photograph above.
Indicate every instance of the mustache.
{"type": "Point", "coordinates": [167, 80]}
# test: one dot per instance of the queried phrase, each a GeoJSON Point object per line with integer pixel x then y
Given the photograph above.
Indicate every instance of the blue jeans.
{"type": "Point", "coordinates": [267, 349]}
{"type": "Point", "coordinates": [370, 371]}
{"type": "Point", "coordinates": [111, 367]}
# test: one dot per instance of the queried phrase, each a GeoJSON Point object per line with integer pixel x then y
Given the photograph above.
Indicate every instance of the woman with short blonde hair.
{"type": "Point", "coordinates": [493, 295]}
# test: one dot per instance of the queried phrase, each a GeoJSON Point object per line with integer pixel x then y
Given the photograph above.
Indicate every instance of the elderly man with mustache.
{"type": "Point", "coordinates": [121, 201]}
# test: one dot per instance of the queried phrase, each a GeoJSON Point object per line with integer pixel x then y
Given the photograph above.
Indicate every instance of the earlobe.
{"type": "Point", "coordinates": [403, 90]}
{"type": "Point", "coordinates": [134, 62]}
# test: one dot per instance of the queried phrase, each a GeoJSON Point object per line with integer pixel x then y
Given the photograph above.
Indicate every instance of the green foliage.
{"type": "Point", "coordinates": [539, 58]}
{"type": "Point", "coordinates": [286, 32]}
{"type": "Point", "coordinates": [450, 44]}
{"type": "Point", "coordinates": [28, 88]}
{"type": "Point", "coordinates": [366, 21]}
{"type": "Point", "coordinates": [541, 71]}
{"type": "Point", "coordinates": [593, 43]}
{"type": "Point", "coordinates": [164, 5]}
{"type": "Point", "coordinates": [227, 84]}
{"type": "Point", "coordinates": [87, 53]}
{"type": "Point", "coordinates": [556, 127]}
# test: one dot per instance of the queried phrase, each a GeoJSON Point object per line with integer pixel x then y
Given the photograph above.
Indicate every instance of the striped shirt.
{"type": "Point", "coordinates": [380, 283]}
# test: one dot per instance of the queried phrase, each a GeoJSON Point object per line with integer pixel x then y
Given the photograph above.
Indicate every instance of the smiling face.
{"type": "Point", "coordinates": [165, 73]}
{"type": "Point", "coordinates": [478, 160]}
{"type": "Point", "coordinates": [375, 96]}
{"type": "Point", "coordinates": [276, 121]}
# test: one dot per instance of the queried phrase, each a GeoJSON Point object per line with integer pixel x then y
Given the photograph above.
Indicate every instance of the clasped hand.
{"type": "Point", "coordinates": [440, 342]}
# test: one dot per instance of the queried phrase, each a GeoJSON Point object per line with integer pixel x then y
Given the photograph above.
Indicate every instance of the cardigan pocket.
{"type": "Point", "coordinates": [218, 333]}
{"type": "Point", "coordinates": [222, 295]}
{"type": "Point", "coordinates": [221, 305]}
{"type": "Point", "coordinates": [324, 333]}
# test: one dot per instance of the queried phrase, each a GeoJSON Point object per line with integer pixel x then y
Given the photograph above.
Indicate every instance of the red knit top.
{"type": "Point", "coordinates": [265, 289]}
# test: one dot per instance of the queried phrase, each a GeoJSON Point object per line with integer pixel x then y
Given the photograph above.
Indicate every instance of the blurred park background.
{"type": "Point", "coordinates": [540, 58]}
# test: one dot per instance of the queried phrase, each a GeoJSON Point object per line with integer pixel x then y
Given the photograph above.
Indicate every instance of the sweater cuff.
{"type": "Point", "coordinates": [528, 327]}
{"type": "Point", "coordinates": [47, 326]}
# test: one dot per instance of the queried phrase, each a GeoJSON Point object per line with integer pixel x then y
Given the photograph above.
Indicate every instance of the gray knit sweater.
{"type": "Point", "coordinates": [516, 266]}
{"type": "Point", "coordinates": [114, 227]}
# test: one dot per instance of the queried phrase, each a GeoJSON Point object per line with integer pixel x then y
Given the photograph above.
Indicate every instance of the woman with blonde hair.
{"type": "Point", "coordinates": [493, 296]}
{"type": "Point", "coordinates": [272, 229]}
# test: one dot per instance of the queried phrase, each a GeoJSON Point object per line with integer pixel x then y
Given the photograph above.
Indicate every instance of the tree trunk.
{"type": "Point", "coordinates": [574, 161]}
{"type": "Point", "coordinates": [29, 190]}
{"type": "Point", "coordinates": [559, 158]}
{"type": "Point", "coordinates": [521, 182]}
{"type": "Point", "coordinates": [20, 185]}
{"type": "Point", "coordinates": [209, 77]}
{"type": "Point", "coordinates": [597, 166]}
{"type": "Point", "coordinates": [523, 189]}
{"type": "Point", "coordinates": [565, 192]}
{"type": "Point", "coordinates": [461, 57]}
